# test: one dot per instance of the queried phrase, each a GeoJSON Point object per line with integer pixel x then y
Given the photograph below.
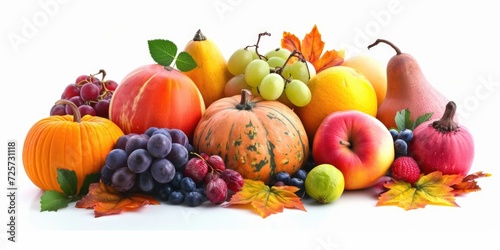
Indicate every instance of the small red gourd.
{"type": "Point", "coordinates": [443, 145]}
{"type": "Point", "coordinates": [255, 137]}
{"type": "Point", "coordinates": [70, 142]}
{"type": "Point", "coordinates": [156, 96]}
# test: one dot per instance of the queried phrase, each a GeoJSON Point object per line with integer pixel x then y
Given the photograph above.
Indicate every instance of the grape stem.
{"type": "Point", "coordinates": [256, 45]}
{"type": "Point", "coordinates": [297, 54]}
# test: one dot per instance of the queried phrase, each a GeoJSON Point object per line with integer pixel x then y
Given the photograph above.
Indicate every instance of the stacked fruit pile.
{"type": "Point", "coordinates": [194, 135]}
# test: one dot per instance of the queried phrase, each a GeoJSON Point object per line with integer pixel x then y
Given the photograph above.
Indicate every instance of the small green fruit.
{"type": "Point", "coordinates": [324, 183]}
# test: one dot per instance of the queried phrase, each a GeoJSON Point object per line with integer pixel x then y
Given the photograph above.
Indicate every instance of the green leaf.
{"type": "Point", "coordinates": [162, 51]}
{"type": "Point", "coordinates": [52, 201]}
{"type": "Point", "coordinates": [185, 62]}
{"type": "Point", "coordinates": [91, 178]}
{"type": "Point", "coordinates": [403, 119]}
{"type": "Point", "coordinates": [67, 181]}
{"type": "Point", "coordinates": [421, 119]}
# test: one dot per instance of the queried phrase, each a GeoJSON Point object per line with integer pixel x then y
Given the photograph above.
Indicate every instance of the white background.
{"type": "Point", "coordinates": [46, 44]}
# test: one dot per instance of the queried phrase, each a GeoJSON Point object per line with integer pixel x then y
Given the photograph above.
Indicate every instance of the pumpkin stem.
{"type": "Point", "coordinates": [446, 123]}
{"type": "Point", "coordinates": [245, 103]}
{"type": "Point", "coordinates": [398, 51]}
{"type": "Point", "coordinates": [199, 36]}
{"type": "Point", "coordinates": [77, 117]}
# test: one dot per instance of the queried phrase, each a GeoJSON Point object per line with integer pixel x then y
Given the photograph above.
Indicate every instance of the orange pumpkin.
{"type": "Point", "coordinates": [68, 142]}
{"type": "Point", "coordinates": [255, 137]}
{"type": "Point", "coordinates": [156, 96]}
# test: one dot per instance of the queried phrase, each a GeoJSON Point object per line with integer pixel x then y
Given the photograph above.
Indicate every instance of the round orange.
{"type": "Point", "coordinates": [335, 89]}
{"type": "Point", "coordinates": [374, 70]}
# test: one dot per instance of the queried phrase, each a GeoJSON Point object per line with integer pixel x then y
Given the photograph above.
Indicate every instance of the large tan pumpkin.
{"type": "Point", "coordinates": [255, 137]}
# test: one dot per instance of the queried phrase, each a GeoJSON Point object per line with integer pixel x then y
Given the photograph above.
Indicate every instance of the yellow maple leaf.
{"type": "Point", "coordinates": [266, 200]}
{"type": "Point", "coordinates": [431, 189]}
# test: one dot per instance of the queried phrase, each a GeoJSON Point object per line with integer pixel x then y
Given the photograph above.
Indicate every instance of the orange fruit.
{"type": "Point", "coordinates": [374, 70]}
{"type": "Point", "coordinates": [336, 89]}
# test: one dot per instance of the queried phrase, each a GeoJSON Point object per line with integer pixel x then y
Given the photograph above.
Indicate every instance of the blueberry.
{"type": "Point", "coordinates": [406, 135]}
{"type": "Point", "coordinates": [164, 192]}
{"type": "Point", "coordinates": [394, 134]}
{"type": "Point", "coordinates": [301, 174]}
{"type": "Point", "coordinates": [188, 184]}
{"type": "Point", "coordinates": [176, 181]}
{"type": "Point", "coordinates": [193, 199]}
{"type": "Point", "coordinates": [176, 197]}
{"type": "Point", "coordinates": [296, 182]}
{"type": "Point", "coordinates": [283, 177]}
{"type": "Point", "coordinates": [400, 147]}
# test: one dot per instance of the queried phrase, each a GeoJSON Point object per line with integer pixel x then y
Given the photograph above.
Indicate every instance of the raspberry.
{"type": "Point", "coordinates": [405, 168]}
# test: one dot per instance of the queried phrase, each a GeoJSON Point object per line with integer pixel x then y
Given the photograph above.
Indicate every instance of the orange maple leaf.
{"type": "Point", "coordinates": [431, 189]}
{"type": "Point", "coordinates": [469, 183]}
{"type": "Point", "coordinates": [311, 48]}
{"type": "Point", "coordinates": [107, 201]}
{"type": "Point", "coordinates": [266, 200]}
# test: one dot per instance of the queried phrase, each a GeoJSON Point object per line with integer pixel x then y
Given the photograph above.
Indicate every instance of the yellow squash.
{"type": "Point", "coordinates": [211, 73]}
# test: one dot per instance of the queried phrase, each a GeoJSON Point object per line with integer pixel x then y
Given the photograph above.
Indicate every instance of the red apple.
{"type": "Point", "coordinates": [358, 144]}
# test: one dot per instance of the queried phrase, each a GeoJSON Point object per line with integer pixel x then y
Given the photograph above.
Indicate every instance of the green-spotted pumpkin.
{"type": "Point", "coordinates": [256, 137]}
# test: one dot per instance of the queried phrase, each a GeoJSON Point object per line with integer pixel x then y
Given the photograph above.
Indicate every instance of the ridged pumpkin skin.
{"type": "Point", "coordinates": [211, 73]}
{"type": "Point", "coordinates": [258, 140]}
{"type": "Point", "coordinates": [156, 96]}
{"type": "Point", "coordinates": [59, 142]}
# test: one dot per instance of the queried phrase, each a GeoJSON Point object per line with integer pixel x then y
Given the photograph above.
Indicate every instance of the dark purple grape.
{"type": "Point", "coordinates": [162, 170]}
{"type": "Point", "coordinates": [178, 155]}
{"type": "Point", "coordinates": [59, 109]}
{"type": "Point", "coordinates": [123, 179]}
{"type": "Point", "coordinates": [122, 141]}
{"type": "Point", "coordinates": [146, 182]}
{"type": "Point", "coordinates": [102, 108]}
{"type": "Point", "coordinates": [159, 145]}
{"type": "Point", "coordinates": [296, 182]}
{"type": "Point", "coordinates": [163, 131]}
{"type": "Point", "coordinates": [106, 174]}
{"type": "Point", "coordinates": [136, 142]}
{"type": "Point", "coordinates": [150, 131]}
{"type": "Point", "coordinates": [178, 136]}
{"type": "Point", "coordinates": [116, 158]}
{"type": "Point", "coordinates": [86, 110]}
{"type": "Point", "coordinates": [89, 92]}
{"type": "Point", "coordinates": [139, 160]}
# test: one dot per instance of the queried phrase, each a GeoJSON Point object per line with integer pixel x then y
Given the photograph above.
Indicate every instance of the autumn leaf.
{"type": "Point", "coordinates": [107, 201]}
{"type": "Point", "coordinates": [469, 183]}
{"type": "Point", "coordinates": [266, 200]}
{"type": "Point", "coordinates": [431, 189]}
{"type": "Point", "coordinates": [311, 47]}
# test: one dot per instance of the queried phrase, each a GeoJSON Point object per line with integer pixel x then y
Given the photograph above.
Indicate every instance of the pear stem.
{"type": "Point", "coordinates": [398, 51]}
{"type": "Point", "coordinates": [446, 123]}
